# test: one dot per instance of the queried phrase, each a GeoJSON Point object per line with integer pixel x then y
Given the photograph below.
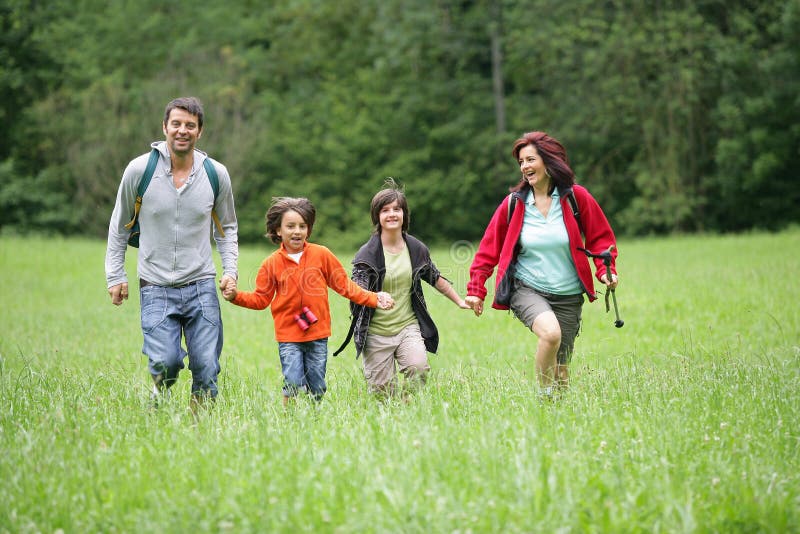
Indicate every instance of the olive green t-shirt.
{"type": "Point", "coordinates": [397, 283]}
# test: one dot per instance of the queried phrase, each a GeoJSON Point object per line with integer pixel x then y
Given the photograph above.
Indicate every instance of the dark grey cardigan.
{"type": "Point", "coordinates": [369, 269]}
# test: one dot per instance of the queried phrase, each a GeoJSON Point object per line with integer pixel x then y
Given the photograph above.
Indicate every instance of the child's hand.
{"type": "Point", "coordinates": [228, 287]}
{"type": "Point", "coordinates": [229, 294]}
{"type": "Point", "coordinates": [463, 305]}
{"type": "Point", "coordinates": [475, 303]}
{"type": "Point", "coordinates": [385, 301]}
{"type": "Point", "coordinates": [227, 282]}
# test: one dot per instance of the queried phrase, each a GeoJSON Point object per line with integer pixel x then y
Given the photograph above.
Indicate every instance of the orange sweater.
{"type": "Point", "coordinates": [290, 286]}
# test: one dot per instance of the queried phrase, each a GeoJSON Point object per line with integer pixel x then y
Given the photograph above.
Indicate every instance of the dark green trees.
{"type": "Point", "coordinates": [679, 116]}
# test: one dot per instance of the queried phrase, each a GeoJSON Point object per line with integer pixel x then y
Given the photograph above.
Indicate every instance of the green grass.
{"type": "Point", "coordinates": [685, 420]}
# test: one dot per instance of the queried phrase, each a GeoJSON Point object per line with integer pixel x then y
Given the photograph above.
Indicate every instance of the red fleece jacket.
{"type": "Point", "coordinates": [501, 236]}
{"type": "Point", "coordinates": [290, 286]}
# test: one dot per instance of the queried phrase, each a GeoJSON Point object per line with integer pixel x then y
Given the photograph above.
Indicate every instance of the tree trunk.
{"type": "Point", "coordinates": [497, 66]}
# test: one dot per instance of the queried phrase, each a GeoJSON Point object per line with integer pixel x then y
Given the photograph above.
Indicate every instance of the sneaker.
{"type": "Point", "coordinates": [158, 396]}
{"type": "Point", "coordinates": [547, 394]}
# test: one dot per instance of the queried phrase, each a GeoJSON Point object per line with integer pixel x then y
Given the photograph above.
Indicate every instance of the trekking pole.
{"type": "Point", "coordinates": [606, 257]}
{"type": "Point", "coordinates": [607, 262]}
{"type": "Point", "coordinates": [619, 323]}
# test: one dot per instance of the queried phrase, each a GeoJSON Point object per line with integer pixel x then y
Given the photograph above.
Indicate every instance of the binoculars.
{"type": "Point", "coordinates": [305, 318]}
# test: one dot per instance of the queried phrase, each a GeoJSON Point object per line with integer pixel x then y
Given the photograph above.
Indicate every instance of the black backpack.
{"type": "Point", "coordinates": [133, 226]}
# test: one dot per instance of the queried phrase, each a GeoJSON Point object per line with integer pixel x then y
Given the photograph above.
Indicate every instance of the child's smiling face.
{"type": "Point", "coordinates": [293, 232]}
{"type": "Point", "coordinates": [391, 217]}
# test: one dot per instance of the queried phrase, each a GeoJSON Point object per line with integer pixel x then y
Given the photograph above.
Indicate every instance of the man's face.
{"type": "Point", "coordinates": [182, 131]}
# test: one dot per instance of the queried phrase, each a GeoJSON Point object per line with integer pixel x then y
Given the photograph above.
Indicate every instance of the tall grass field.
{"type": "Point", "coordinates": [687, 419]}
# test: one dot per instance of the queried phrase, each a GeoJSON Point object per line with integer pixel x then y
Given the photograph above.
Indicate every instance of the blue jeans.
{"type": "Point", "coordinates": [193, 311]}
{"type": "Point", "coordinates": [303, 365]}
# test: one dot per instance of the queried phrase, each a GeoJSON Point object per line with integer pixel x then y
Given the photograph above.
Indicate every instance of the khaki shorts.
{"type": "Point", "coordinates": [527, 303]}
{"type": "Point", "coordinates": [381, 352]}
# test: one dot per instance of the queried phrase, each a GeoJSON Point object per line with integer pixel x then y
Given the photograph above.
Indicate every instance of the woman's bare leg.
{"type": "Point", "coordinates": [547, 329]}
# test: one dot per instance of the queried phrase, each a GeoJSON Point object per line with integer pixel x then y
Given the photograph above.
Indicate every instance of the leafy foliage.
{"type": "Point", "coordinates": [678, 116]}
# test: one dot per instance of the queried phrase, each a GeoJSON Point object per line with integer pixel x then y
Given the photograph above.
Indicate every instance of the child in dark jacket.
{"type": "Point", "coordinates": [396, 262]}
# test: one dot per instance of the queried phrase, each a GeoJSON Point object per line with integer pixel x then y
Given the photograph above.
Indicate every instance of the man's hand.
{"type": "Point", "coordinates": [228, 287]}
{"type": "Point", "coordinates": [118, 293]}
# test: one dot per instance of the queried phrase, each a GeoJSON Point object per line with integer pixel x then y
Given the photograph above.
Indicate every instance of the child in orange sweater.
{"type": "Point", "coordinates": [294, 280]}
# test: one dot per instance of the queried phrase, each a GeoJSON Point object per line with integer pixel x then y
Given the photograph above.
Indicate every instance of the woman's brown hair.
{"type": "Point", "coordinates": [553, 154]}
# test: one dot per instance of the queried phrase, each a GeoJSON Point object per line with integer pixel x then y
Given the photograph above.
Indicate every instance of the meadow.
{"type": "Point", "coordinates": [684, 420]}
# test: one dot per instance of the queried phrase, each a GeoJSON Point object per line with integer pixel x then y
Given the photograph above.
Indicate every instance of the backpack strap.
{"type": "Point", "coordinates": [511, 205]}
{"type": "Point", "coordinates": [144, 181]}
{"type": "Point", "coordinates": [573, 202]}
{"type": "Point", "coordinates": [214, 179]}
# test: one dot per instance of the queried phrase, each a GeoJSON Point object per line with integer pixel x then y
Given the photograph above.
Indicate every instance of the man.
{"type": "Point", "coordinates": [175, 264]}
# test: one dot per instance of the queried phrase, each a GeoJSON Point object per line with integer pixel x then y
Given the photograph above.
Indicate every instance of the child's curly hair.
{"type": "Point", "coordinates": [279, 206]}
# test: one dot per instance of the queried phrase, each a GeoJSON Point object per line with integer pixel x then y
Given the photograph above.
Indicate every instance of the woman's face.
{"type": "Point", "coordinates": [533, 169]}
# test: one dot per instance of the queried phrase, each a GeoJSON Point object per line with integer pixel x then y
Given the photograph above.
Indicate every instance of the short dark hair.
{"type": "Point", "coordinates": [554, 157]}
{"type": "Point", "coordinates": [391, 192]}
{"type": "Point", "coordinates": [281, 205]}
{"type": "Point", "coordinates": [188, 103]}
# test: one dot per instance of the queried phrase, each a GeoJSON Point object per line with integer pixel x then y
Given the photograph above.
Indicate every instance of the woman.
{"type": "Point", "coordinates": [536, 243]}
{"type": "Point", "coordinates": [396, 262]}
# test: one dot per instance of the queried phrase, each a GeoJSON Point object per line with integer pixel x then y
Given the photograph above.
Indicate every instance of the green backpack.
{"type": "Point", "coordinates": [133, 226]}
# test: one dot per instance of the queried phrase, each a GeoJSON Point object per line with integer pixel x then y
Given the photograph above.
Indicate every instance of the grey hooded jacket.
{"type": "Point", "coordinates": [176, 226]}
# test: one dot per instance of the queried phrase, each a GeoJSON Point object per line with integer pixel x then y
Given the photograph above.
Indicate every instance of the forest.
{"type": "Point", "coordinates": [678, 116]}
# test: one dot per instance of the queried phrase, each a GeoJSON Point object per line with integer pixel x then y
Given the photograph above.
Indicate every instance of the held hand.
{"type": "Point", "coordinates": [228, 287]}
{"type": "Point", "coordinates": [227, 282]}
{"type": "Point", "coordinates": [230, 294]}
{"type": "Point", "coordinates": [614, 281]}
{"type": "Point", "coordinates": [475, 303]}
{"type": "Point", "coordinates": [463, 305]}
{"type": "Point", "coordinates": [385, 301]}
{"type": "Point", "coordinates": [118, 293]}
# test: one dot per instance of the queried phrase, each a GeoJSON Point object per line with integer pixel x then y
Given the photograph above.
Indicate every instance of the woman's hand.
{"type": "Point", "coordinates": [614, 281]}
{"type": "Point", "coordinates": [475, 303]}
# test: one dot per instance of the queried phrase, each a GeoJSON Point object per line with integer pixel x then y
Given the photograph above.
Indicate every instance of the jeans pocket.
{"type": "Point", "coordinates": [209, 303]}
{"type": "Point", "coordinates": [154, 307]}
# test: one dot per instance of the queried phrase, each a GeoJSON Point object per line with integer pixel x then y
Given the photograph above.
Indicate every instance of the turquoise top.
{"type": "Point", "coordinates": [544, 260]}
